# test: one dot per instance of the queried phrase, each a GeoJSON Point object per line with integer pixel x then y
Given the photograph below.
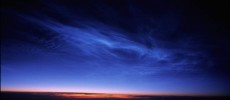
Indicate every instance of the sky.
{"type": "Point", "coordinates": [162, 47]}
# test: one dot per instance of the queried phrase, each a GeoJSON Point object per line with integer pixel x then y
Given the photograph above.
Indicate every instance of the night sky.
{"type": "Point", "coordinates": [176, 47]}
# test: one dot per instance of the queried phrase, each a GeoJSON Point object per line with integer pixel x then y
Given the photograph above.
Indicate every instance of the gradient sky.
{"type": "Point", "coordinates": [116, 46]}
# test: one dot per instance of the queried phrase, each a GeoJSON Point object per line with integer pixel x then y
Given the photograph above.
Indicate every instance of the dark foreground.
{"type": "Point", "coordinates": [91, 96]}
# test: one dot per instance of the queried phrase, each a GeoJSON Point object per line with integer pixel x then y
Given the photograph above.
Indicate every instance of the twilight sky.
{"type": "Point", "coordinates": [116, 46]}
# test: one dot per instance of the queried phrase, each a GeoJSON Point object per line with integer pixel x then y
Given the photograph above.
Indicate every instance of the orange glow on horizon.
{"type": "Point", "coordinates": [121, 94]}
{"type": "Point", "coordinates": [78, 91]}
{"type": "Point", "coordinates": [86, 91]}
{"type": "Point", "coordinates": [95, 95]}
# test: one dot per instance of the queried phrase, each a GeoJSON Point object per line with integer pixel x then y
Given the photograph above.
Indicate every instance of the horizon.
{"type": "Point", "coordinates": [99, 96]}
{"type": "Point", "coordinates": [119, 93]}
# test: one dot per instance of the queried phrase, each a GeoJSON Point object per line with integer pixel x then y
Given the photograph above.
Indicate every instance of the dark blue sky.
{"type": "Point", "coordinates": [116, 46]}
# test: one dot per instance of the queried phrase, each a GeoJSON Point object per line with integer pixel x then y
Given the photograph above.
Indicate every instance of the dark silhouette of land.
{"type": "Point", "coordinates": [93, 96]}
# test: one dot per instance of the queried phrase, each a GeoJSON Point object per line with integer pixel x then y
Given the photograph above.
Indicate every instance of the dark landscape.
{"type": "Point", "coordinates": [56, 96]}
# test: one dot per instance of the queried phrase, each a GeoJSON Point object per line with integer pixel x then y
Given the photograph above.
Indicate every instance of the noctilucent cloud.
{"type": "Point", "coordinates": [115, 46]}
